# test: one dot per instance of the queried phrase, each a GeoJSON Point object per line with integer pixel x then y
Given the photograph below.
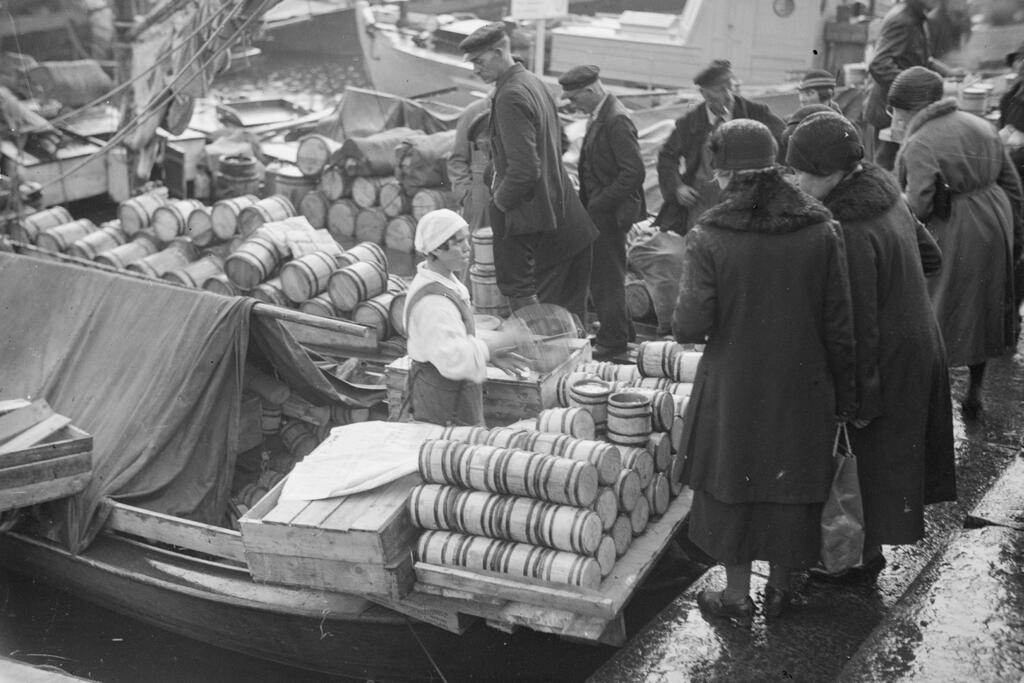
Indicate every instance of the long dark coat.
{"type": "Point", "coordinates": [765, 284]}
{"type": "Point", "coordinates": [687, 143]}
{"type": "Point", "coordinates": [902, 378]}
{"type": "Point", "coordinates": [902, 43]}
{"type": "Point", "coordinates": [612, 169]}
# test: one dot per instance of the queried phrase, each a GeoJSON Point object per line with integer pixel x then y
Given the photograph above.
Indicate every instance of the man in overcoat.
{"type": "Point", "coordinates": [542, 233]}
{"type": "Point", "coordinates": [685, 175]}
{"type": "Point", "coordinates": [611, 171]}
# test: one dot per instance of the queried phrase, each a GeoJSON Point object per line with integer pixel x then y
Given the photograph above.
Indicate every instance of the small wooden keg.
{"type": "Point", "coordinates": [684, 366]}
{"type": "Point", "coordinates": [354, 283]}
{"type": "Point", "coordinates": [286, 180]}
{"type": "Point", "coordinates": [252, 263]}
{"type": "Point", "coordinates": [606, 556]}
{"type": "Point", "coordinates": [370, 225]}
{"type": "Point", "coordinates": [224, 215]}
{"type": "Point", "coordinates": [427, 200]}
{"type": "Point", "coordinates": [658, 494]}
{"type": "Point", "coordinates": [400, 234]}
{"type": "Point", "coordinates": [606, 505]}
{"type": "Point", "coordinates": [639, 515]}
{"type": "Point", "coordinates": [396, 314]}
{"type": "Point", "coordinates": [341, 220]}
{"type": "Point", "coordinates": [627, 489]}
{"type": "Point", "coordinates": [60, 237]}
{"type": "Point", "coordinates": [334, 183]}
{"type": "Point", "coordinates": [320, 305]}
{"type": "Point", "coordinates": [298, 438]}
{"type": "Point", "coordinates": [375, 312]}
{"type": "Point", "coordinates": [220, 284]}
{"type": "Point", "coordinates": [199, 226]}
{"type": "Point", "coordinates": [659, 445]}
{"type": "Point", "coordinates": [136, 213]}
{"type": "Point", "coordinates": [267, 210]}
{"type": "Point", "coordinates": [314, 205]}
{"type": "Point", "coordinates": [270, 418]}
{"type": "Point", "coordinates": [466, 434]}
{"type": "Point", "coordinates": [640, 461]}
{"type": "Point", "coordinates": [482, 241]}
{"type": "Point", "coordinates": [313, 153]}
{"type": "Point", "coordinates": [270, 292]}
{"type": "Point", "coordinates": [575, 422]}
{"type": "Point", "coordinates": [28, 228]}
{"type": "Point", "coordinates": [365, 251]}
{"type": "Point", "coordinates": [305, 277]}
{"type": "Point", "coordinates": [393, 199]}
{"type": "Point", "coordinates": [175, 255]}
{"type": "Point", "coordinates": [563, 383]}
{"type": "Point", "coordinates": [506, 437]}
{"type": "Point", "coordinates": [142, 246]}
{"type": "Point", "coordinates": [622, 534]}
{"type": "Point", "coordinates": [655, 358]}
{"type": "Point", "coordinates": [342, 414]}
{"type": "Point", "coordinates": [194, 274]}
{"type": "Point", "coordinates": [602, 455]}
{"type": "Point", "coordinates": [95, 243]}
{"type": "Point", "coordinates": [639, 301]}
{"type": "Point", "coordinates": [663, 407]}
{"type": "Point", "coordinates": [546, 442]}
{"type": "Point", "coordinates": [170, 220]}
{"type": "Point", "coordinates": [366, 190]}
{"type": "Point", "coordinates": [592, 396]}
{"type": "Point", "coordinates": [629, 418]}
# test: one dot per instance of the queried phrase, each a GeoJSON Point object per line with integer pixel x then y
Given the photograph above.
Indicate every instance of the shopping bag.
{"type": "Point", "coordinates": [842, 518]}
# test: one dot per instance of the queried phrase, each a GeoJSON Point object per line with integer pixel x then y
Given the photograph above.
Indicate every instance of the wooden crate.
{"type": "Point", "coordinates": [506, 400]}
{"type": "Point", "coordinates": [351, 544]}
{"type": "Point", "coordinates": [58, 467]}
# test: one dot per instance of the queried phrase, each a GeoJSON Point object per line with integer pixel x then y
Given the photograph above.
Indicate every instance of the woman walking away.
{"type": "Point", "coordinates": [765, 286]}
{"type": "Point", "coordinates": [903, 427]}
{"type": "Point", "coordinates": [959, 181]}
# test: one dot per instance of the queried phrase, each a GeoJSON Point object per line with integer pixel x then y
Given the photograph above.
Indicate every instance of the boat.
{"type": "Point", "coordinates": [323, 27]}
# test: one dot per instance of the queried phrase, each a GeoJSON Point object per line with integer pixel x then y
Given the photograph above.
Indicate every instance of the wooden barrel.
{"type": "Point", "coordinates": [675, 435]}
{"type": "Point", "coordinates": [270, 418]}
{"type": "Point", "coordinates": [659, 445]}
{"type": "Point", "coordinates": [366, 190]}
{"type": "Point", "coordinates": [592, 396]}
{"type": "Point", "coordinates": [508, 470]}
{"type": "Point", "coordinates": [605, 555]}
{"type": "Point", "coordinates": [137, 212]}
{"type": "Point", "coordinates": [627, 489]}
{"type": "Point", "coordinates": [658, 383]}
{"type": "Point", "coordinates": [368, 252]}
{"type": "Point", "coordinates": [546, 442]}
{"type": "Point", "coordinates": [506, 437]}
{"type": "Point", "coordinates": [252, 263]}
{"type": "Point", "coordinates": [250, 494]}
{"type": "Point", "coordinates": [299, 438]}
{"type": "Point", "coordinates": [622, 534]}
{"type": "Point", "coordinates": [237, 175]}
{"type": "Point", "coordinates": [602, 455]}
{"type": "Point", "coordinates": [639, 302]}
{"type": "Point", "coordinates": [199, 226]}
{"type": "Point", "coordinates": [341, 220]}
{"type": "Point", "coordinates": [684, 366]}
{"type": "Point", "coordinates": [198, 272]}
{"type": "Point", "coordinates": [483, 290]}
{"type": "Point", "coordinates": [305, 277]}
{"type": "Point", "coordinates": [266, 210]}
{"type": "Point", "coordinates": [342, 414]}
{"type": "Point", "coordinates": [655, 358]}
{"type": "Point", "coordinates": [513, 518]}
{"type": "Point", "coordinates": [663, 407]}
{"type": "Point", "coordinates": [606, 505]}
{"type": "Point", "coordinates": [393, 200]}
{"type": "Point", "coordinates": [320, 305]}
{"type": "Point", "coordinates": [622, 373]}
{"type": "Point", "coordinates": [375, 312]}
{"type": "Point", "coordinates": [370, 225]}
{"type": "Point", "coordinates": [564, 382]}
{"type": "Point", "coordinates": [396, 314]}
{"type": "Point", "coordinates": [313, 153]}
{"type": "Point", "coordinates": [640, 461]}
{"type": "Point", "coordinates": [358, 282]}
{"type": "Point", "coordinates": [270, 292]}
{"type": "Point", "coordinates": [299, 408]}
{"type": "Point", "coordinates": [658, 494]}
{"type": "Point", "coordinates": [575, 422]}
{"type": "Point", "coordinates": [482, 242]}
{"type": "Point", "coordinates": [639, 515]}
{"type": "Point", "coordinates": [466, 434]}
{"type": "Point", "coordinates": [427, 200]}
{"type": "Point", "coordinates": [478, 553]}
{"type": "Point", "coordinates": [286, 180]}
{"type": "Point", "coordinates": [142, 246]}
{"type": "Point", "coordinates": [674, 474]}
{"type": "Point", "coordinates": [170, 220]}
{"type": "Point", "coordinates": [224, 215]}
{"type": "Point", "coordinates": [220, 284]}
{"type": "Point", "coordinates": [334, 183]}
{"type": "Point", "coordinates": [397, 284]}
{"type": "Point", "coordinates": [175, 255]}
{"type": "Point", "coordinates": [629, 419]}
{"type": "Point", "coordinates": [98, 242]}
{"type": "Point", "coordinates": [61, 237]}
{"type": "Point", "coordinates": [28, 228]}
{"type": "Point", "coordinates": [314, 205]}
{"type": "Point", "coordinates": [400, 234]}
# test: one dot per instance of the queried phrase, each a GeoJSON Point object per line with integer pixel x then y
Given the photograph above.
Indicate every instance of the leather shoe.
{"type": "Point", "coordinates": [711, 603]}
{"type": "Point", "coordinates": [776, 601]}
{"type": "Point", "coordinates": [602, 352]}
{"type": "Point", "coordinates": [862, 573]}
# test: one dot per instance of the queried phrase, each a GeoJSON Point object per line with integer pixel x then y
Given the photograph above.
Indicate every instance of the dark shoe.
{"type": "Point", "coordinates": [711, 603]}
{"type": "Point", "coordinates": [602, 352]}
{"type": "Point", "coordinates": [776, 601]}
{"type": "Point", "coordinates": [862, 573]}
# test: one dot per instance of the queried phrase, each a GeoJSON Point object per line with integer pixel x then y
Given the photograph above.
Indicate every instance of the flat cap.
{"type": "Point", "coordinates": [484, 38]}
{"type": "Point", "coordinates": [719, 72]}
{"type": "Point", "coordinates": [817, 78]}
{"type": "Point", "coordinates": [579, 77]}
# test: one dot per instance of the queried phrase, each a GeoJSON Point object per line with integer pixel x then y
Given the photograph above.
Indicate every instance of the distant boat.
{"type": "Point", "coordinates": [322, 27]}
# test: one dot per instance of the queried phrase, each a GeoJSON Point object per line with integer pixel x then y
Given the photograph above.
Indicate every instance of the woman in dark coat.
{"type": "Point", "coordinates": [764, 285]}
{"type": "Point", "coordinates": [903, 428]}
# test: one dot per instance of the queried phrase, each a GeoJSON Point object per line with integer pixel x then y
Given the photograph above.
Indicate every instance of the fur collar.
{"type": "Point", "coordinates": [766, 203]}
{"type": "Point", "coordinates": [932, 111]}
{"type": "Point", "coordinates": [864, 194]}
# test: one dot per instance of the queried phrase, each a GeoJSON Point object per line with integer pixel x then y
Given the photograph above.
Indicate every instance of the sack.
{"type": "Point", "coordinates": [422, 161]}
{"type": "Point", "coordinates": [842, 518]}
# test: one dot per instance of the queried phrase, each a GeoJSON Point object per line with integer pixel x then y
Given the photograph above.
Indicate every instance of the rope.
{"type": "Point", "coordinates": [423, 647]}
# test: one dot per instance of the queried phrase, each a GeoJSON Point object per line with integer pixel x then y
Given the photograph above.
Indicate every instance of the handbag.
{"type": "Point", "coordinates": [842, 517]}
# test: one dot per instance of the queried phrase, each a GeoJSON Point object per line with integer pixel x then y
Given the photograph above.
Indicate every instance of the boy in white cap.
{"type": "Point", "coordinates": [449, 362]}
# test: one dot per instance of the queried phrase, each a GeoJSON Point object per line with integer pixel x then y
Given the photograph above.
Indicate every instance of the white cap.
{"type": "Point", "coordinates": [435, 228]}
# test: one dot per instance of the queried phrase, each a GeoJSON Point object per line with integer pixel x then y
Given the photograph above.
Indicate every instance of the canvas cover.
{"type": "Point", "coordinates": [153, 372]}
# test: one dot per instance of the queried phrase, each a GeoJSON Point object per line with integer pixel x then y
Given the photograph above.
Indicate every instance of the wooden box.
{"type": "Point", "coordinates": [506, 400]}
{"type": "Point", "coordinates": [56, 468]}
{"type": "Point", "coordinates": [352, 544]}
{"type": "Point", "coordinates": [88, 173]}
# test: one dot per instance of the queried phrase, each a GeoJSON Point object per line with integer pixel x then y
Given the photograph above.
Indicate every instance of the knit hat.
{"type": "Point", "coordinates": [803, 112]}
{"type": "Point", "coordinates": [743, 145]}
{"type": "Point", "coordinates": [719, 72]}
{"type": "Point", "coordinates": [915, 88]}
{"type": "Point", "coordinates": [817, 78]}
{"type": "Point", "coordinates": [435, 228]}
{"type": "Point", "coordinates": [824, 143]}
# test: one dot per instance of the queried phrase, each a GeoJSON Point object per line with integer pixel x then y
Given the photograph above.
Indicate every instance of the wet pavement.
{"type": "Point", "coordinates": [832, 626]}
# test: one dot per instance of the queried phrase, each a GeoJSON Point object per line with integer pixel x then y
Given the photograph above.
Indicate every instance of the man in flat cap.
{"type": "Point", "coordinates": [818, 87]}
{"type": "Point", "coordinates": [542, 233]}
{"type": "Point", "coordinates": [685, 176]}
{"type": "Point", "coordinates": [611, 171]}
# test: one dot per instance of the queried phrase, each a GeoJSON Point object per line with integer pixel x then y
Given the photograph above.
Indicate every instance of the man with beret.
{"type": "Point", "coordinates": [685, 175]}
{"type": "Point", "coordinates": [611, 171]}
{"type": "Point", "coordinates": [818, 87]}
{"type": "Point", "coordinates": [542, 233]}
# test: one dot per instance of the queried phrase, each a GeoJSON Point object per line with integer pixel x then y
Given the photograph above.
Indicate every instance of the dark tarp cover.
{"type": "Point", "coordinates": [153, 372]}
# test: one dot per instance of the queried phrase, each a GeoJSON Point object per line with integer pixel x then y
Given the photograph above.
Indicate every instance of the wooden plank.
{"type": "Point", "coordinates": [333, 575]}
{"type": "Point", "coordinates": [35, 434]}
{"type": "Point", "coordinates": [77, 442]}
{"type": "Point", "coordinates": [315, 513]}
{"type": "Point", "coordinates": [17, 421]}
{"type": "Point", "coordinates": [30, 494]}
{"type": "Point", "coordinates": [183, 533]}
{"type": "Point", "coordinates": [45, 470]}
{"type": "Point", "coordinates": [10, 404]}
{"type": "Point", "coordinates": [430, 610]}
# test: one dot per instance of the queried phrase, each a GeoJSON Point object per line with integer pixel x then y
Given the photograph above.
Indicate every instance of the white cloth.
{"type": "Point", "coordinates": [436, 333]}
{"type": "Point", "coordinates": [435, 228]}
